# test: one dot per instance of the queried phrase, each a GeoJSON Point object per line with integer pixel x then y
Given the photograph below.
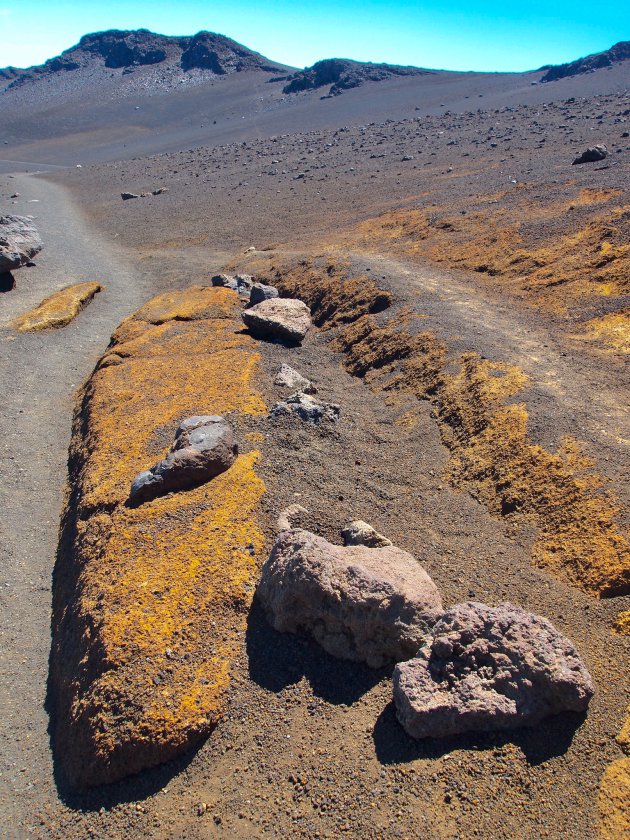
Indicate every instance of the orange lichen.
{"type": "Point", "coordinates": [151, 602]}
{"type": "Point", "coordinates": [610, 331]}
{"type": "Point", "coordinates": [491, 453]}
{"type": "Point", "coordinates": [58, 310]}
{"type": "Point", "coordinates": [613, 801]}
{"type": "Point", "coordinates": [622, 624]}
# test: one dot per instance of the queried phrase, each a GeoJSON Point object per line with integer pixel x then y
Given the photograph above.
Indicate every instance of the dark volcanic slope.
{"type": "Point", "coordinates": [342, 74]}
{"type": "Point", "coordinates": [618, 52]}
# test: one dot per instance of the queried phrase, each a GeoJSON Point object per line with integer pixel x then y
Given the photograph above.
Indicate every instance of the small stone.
{"type": "Point", "coordinates": [288, 377]}
{"type": "Point", "coordinates": [260, 292]}
{"type": "Point", "coordinates": [225, 280]}
{"type": "Point", "coordinates": [358, 532]}
{"type": "Point", "coordinates": [306, 408]}
{"type": "Point", "coordinates": [127, 195]}
{"type": "Point", "coordinates": [592, 155]}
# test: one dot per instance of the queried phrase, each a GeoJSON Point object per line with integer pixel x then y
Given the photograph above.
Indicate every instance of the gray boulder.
{"type": "Point", "coordinates": [244, 284]}
{"type": "Point", "coordinates": [260, 292]}
{"type": "Point", "coordinates": [204, 447]}
{"type": "Point", "coordinates": [306, 408]}
{"type": "Point", "coordinates": [288, 377]}
{"type": "Point", "coordinates": [19, 242]}
{"type": "Point", "coordinates": [489, 668]}
{"type": "Point", "coordinates": [373, 605]}
{"type": "Point", "coordinates": [283, 318]}
{"type": "Point", "coordinates": [592, 155]}
{"type": "Point", "coordinates": [359, 532]}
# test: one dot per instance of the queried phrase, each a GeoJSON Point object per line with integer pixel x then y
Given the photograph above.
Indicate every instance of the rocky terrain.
{"type": "Point", "coordinates": [370, 364]}
{"type": "Point", "coordinates": [618, 52]}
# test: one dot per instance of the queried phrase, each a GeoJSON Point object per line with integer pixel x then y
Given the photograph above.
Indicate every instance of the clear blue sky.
{"type": "Point", "coordinates": [452, 34]}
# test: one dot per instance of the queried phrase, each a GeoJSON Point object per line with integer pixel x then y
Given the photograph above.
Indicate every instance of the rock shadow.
{"type": "Point", "coordinates": [277, 660]}
{"type": "Point", "coordinates": [548, 739]}
{"type": "Point", "coordinates": [7, 282]}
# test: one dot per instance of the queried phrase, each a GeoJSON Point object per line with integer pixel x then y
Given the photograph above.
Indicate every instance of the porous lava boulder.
{"type": "Point", "coordinates": [260, 292]}
{"type": "Point", "coordinates": [373, 605]}
{"type": "Point", "coordinates": [283, 318]}
{"type": "Point", "coordinates": [592, 155]}
{"type": "Point", "coordinates": [204, 447]}
{"type": "Point", "coordinates": [19, 242]}
{"type": "Point", "coordinates": [489, 668]}
{"type": "Point", "coordinates": [306, 408]}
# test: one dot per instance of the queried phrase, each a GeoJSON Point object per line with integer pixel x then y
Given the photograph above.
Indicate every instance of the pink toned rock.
{"type": "Point", "coordinates": [489, 668]}
{"type": "Point", "coordinates": [375, 605]}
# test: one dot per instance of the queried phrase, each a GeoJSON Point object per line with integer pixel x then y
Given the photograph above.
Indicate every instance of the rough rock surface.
{"type": "Point", "coordinates": [306, 408]}
{"type": "Point", "coordinates": [358, 532]}
{"type": "Point", "coordinates": [342, 74]}
{"type": "Point", "coordinates": [241, 283]}
{"type": "Point", "coordinates": [57, 310]}
{"type": "Point", "coordinates": [288, 377]}
{"type": "Point", "coordinates": [283, 318]}
{"type": "Point", "coordinates": [19, 242]}
{"type": "Point", "coordinates": [204, 447]}
{"type": "Point", "coordinates": [489, 668]}
{"type": "Point", "coordinates": [592, 155]}
{"type": "Point", "coordinates": [260, 292]}
{"type": "Point", "coordinates": [618, 52]}
{"type": "Point", "coordinates": [375, 605]}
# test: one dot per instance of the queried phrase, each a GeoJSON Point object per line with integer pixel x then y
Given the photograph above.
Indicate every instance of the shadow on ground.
{"type": "Point", "coordinates": [550, 738]}
{"type": "Point", "coordinates": [277, 660]}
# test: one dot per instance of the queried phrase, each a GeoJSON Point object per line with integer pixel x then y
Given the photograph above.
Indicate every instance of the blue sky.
{"type": "Point", "coordinates": [455, 35]}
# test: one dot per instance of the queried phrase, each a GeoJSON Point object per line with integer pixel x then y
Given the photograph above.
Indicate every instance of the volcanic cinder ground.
{"type": "Point", "coordinates": [454, 193]}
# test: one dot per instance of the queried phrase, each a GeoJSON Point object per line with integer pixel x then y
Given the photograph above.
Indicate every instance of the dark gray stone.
{"type": "Point", "coordinates": [260, 292]}
{"type": "Point", "coordinates": [592, 155]}
{"type": "Point", "coordinates": [204, 447]}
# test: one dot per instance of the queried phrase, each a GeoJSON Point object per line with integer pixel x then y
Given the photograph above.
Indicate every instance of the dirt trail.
{"type": "Point", "coordinates": [39, 375]}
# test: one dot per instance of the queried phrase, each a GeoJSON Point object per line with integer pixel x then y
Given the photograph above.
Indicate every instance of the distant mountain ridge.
{"type": "Point", "coordinates": [116, 49]}
{"type": "Point", "coordinates": [618, 52]}
{"type": "Point", "coordinates": [343, 74]}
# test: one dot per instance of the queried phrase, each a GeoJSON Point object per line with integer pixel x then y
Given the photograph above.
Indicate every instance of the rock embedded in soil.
{"type": "Point", "coordinates": [288, 377]}
{"type": "Point", "coordinates": [260, 292]}
{"type": "Point", "coordinates": [373, 605]}
{"type": "Point", "coordinates": [306, 408]}
{"type": "Point", "coordinates": [58, 310]}
{"type": "Point", "coordinates": [284, 318]}
{"type": "Point", "coordinates": [359, 532]}
{"type": "Point", "coordinates": [204, 447]}
{"type": "Point", "coordinates": [126, 196]}
{"type": "Point", "coordinates": [592, 155]}
{"type": "Point", "coordinates": [489, 668]}
{"type": "Point", "coordinates": [19, 242]}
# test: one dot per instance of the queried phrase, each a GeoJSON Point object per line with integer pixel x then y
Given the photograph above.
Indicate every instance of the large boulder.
{"type": "Point", "coordinates": [592, 155]}
{"type": "Point", "coordinates": [373, 605]}
{"type": "Point", "coordinates": [306, 408]}
{"type": "Point", "coordinates": [204, 447]}
{"type": "Point", "coordinates": [282, 318]}
{"type": "Point", "coordinates": [19, 242]}
{"type": "Point", "coordinates": [489, 668]}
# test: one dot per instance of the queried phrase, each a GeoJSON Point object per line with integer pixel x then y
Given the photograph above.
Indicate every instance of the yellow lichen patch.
{"type": "Point", "coordinates": [610, 330]}
{"type": "Point", "coordinates": [622, 624]}
{"type": "Point", "coordinates": [614, 801]}
{"type": "Point", "coordinates": [491, 452]}
{"type": "Point", "coordinates": [194, 303]}
{"type": "Point", "coordinates": [58, 310]}
{"type": "Point", "coordinates": [150, 602]}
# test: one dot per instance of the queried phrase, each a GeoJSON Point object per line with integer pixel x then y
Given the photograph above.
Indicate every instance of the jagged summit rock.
{"type": "Point", "coordinates": [116, 49]}
{"type": "Point", "coordinates": [618, 52]}
{"type": "Point", "coordinates": [343, 73]}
